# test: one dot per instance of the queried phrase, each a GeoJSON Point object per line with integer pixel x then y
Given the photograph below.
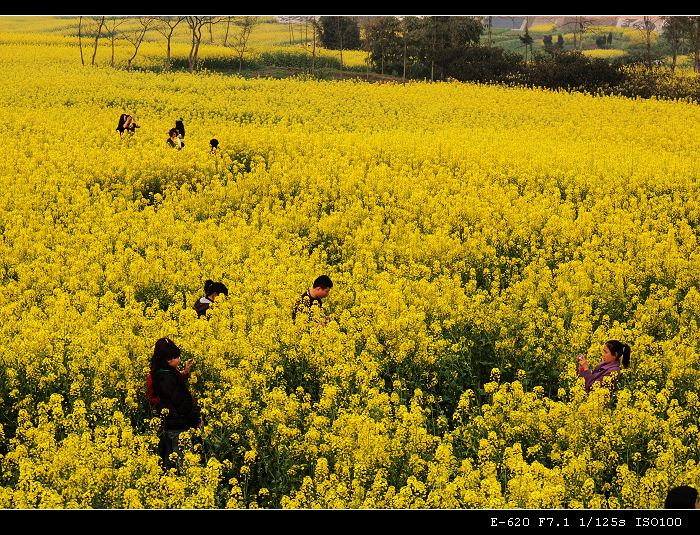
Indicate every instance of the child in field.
{"type": "Point", "coordinates": [214, 144]}
{"type": "Point", "coordinates": [211, 291]}
{"type": "Point", "coordinates": [312, 298]}
{"type": "Point", "coordinates": [174, 139]}
{"type": "Point", "coordinates": [614, 353]}
{"type": "Point", "coordinates": [126, 123]}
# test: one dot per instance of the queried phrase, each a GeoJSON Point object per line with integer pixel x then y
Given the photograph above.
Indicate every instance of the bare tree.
{"type": "Point", "coordinates": [97, 38]}
{"type": "Point", "coordinates": [228, 24]}
{"type": "Point", "coordinates": [404, 31]}
{"type": "Point", "coordinates": [340, 37]}
{"type": "Point", "coordinates": [135, 37]}
{"type": "Point", "coordinates": [433, 21]}
{"type": "Point", "coordinates": [490, 26]}
{"type": "Point", "coordinates": [647, 28]}
{"type": "Point", "coordinates": [196, 24]}
{"type": "Point", "coordinates": [368, 47]}
{"type": "Point", "coordinates": [166, 27]}
{"type": "Point", "coordinates": [112, 25]}
{"type": "Point", "coordinates": [80, 39]}
{"type": "Point", "coordinates": [314, 26]}
{"type": "Point", "coordinates": [239, 43]}
{"type": "Point", "coordinates": [579, 26]}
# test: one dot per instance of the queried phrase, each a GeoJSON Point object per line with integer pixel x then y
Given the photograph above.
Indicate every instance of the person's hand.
{"type": "Point", "coordinates": [188, 366]}
{"type": "Point", "coordinates": [582, 363]}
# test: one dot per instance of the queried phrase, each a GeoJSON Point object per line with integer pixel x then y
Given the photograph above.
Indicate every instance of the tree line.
{"type": "Point", "coordinates": [443, 47]}
{"type": "Point", "coordinates": [113, 29]}
{"type": "Point", "coordinates": [430, 48]}
{"type": "Point", "coordinates": [436, 47]}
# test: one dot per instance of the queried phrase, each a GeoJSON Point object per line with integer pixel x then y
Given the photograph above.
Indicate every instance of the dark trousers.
{"type": "Point", "coordinates": [170, 443]}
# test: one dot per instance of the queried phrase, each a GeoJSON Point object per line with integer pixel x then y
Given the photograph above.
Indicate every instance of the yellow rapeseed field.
{"type": "Point", "coordinates": [478, 238]}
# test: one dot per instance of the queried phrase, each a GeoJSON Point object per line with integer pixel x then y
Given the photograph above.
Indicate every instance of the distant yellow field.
{"type": "Point", "coordinates": [604, 53]}
{"type": "Point", "coordinates": [266, 37]}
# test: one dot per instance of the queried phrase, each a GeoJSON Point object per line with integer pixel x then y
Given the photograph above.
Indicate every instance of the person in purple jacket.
{"type": "Point", "coordinates": [614, 354]}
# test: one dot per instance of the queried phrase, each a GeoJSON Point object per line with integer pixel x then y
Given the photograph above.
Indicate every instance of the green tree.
{"type": "Point", "coordinates": [382, 36]}
{"type": "Point", "coordinates": [447, 38]}
{"type": "Point", "coordinates": [692, 36]}
{"type": "Point", "coordinates": [339, 33]}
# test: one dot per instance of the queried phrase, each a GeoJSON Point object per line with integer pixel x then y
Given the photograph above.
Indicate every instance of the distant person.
{"type": "Point", "coordinates": [212, 290]}
{"type": "Point", "coordinates": [180, 127]}
{"type": "Point", "coordinates": [126, 123]}
{"type": "Point", "coordinates": [313, 298]}
{"type": "Point", "coordinates": [683, 497]}
{"type": "Point", "coordinates": [174, 139]}
{"type": "Point", "coordinates": [214, 144]}
{"type": "Point", "coordinates": [614, 354]}
{"type": "Point", "coordinates": [173, 394]}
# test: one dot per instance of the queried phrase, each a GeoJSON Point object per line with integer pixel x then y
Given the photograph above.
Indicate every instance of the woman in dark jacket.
{"type": "Point", "coordinates": [211, 291]}
{"type": "Point", "coordinates": [174, 394]}
{"type": "Point", "coordinates": [126, 123]}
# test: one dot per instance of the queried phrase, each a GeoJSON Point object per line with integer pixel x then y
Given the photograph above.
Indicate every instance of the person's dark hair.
{"type": "Point", "coordinates": [211, 287]}
{"type": "Point", "coordinates": [172, 131]}
{"type": "Point", "coordinates": [620, 350]}
{"type": "Point", "coordinates": [164, 350]}
{"type": "Point", "coordinates": [180, 127]}
{"type": "Point", "coordinates": [208, 286]}
{"type": "Point", "coordinates": [122, 120]}
{"type": "Point", "coordinates": [214, 143]}
{"type": "Point", "coordinates": [324, 281]}
{"type": "Point", "coordinates": [682, 497]}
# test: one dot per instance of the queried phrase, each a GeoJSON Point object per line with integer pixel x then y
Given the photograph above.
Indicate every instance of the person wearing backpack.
{"type": "Point", "coordinates": [174, 395]}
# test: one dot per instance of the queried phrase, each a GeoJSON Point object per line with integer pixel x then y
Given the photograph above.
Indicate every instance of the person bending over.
{"type": "Point", "coordinates": [211, 291]}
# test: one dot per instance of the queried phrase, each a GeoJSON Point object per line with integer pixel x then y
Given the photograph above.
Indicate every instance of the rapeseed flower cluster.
{"type": "Point", "coordinates": [478, 238]}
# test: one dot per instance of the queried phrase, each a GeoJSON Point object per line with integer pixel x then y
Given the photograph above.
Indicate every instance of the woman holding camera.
{"type": "Point", "coordinates": [614, 354]}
